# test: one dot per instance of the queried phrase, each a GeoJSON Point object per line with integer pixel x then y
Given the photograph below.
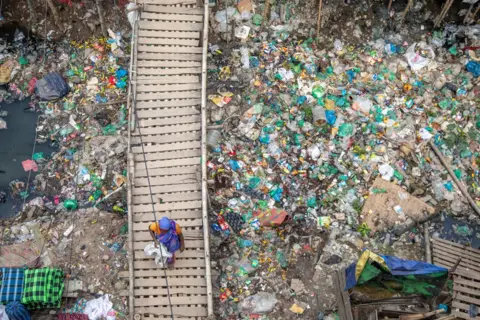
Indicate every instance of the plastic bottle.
{"type": "Point", "coordinates": [281, 258]}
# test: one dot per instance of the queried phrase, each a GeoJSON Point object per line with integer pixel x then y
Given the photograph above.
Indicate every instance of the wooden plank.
{"type": "Point", "coordinates": [139, 208]}
{"type": "Point", "coordinates": [166, 180]}
{"type": "Point", "coordinates": [160, 273]}
{"type": "Point", "coordinates": [168, 171]}
{"type": "Point", "coordinates": [167, 95]}
{"type": "Point", "coordinates": [171, 16]}
{"type": "Point", "coordinates": [166, 155]}
{"type": "Point", "coordinates": [166, 148]}
{"type": "Point", "coordinates": [165, 9]}
{"type": "Point", "coordinates": [179, 137]}
{"type": "Point", "coordinates": [167, 189]}
{"type": "Point", "coordinates": [469, 283]}
{"type": "Point", "coordinates": [167, 163]}
{"type": "Point", "coordinates": [171, 197]}
{"type": "Point", "coordinates": [141, 264]}
{"type": "Point", "coordinates": [460, 246]}
{"type": "Point", "coordinates": [172, 103]}
{"type": "Point", "coordinates": [190, 235]}
{"type": "Point", "coordinates": [458, 251]}
{"type": "Point", "coordinates": [168, 34]}
{"type": "Point", "coordinates": [179, 214]}
{"type": "Point", "coordinates": [468, 299]}
{"type": "Point", "coordinates": [159, 79]}
{"type": "Point", "coordinates": [177, 311]}
{"type": "Point", "coordinates": [172, 281]}
{"type": "Point", "coordinates": [166, 112]}
{"type": "Point", "coordinates": [169, 56]}
{"type": "Point", "coordinates": [167, 2]}
{"type": "Point", "coordinates": [160, 301]}
{"type": "Point", "coordinates": [168, 41]}
{"type": "Point", "coordinates": [168, 63]}
{"type": "Point", "coordinates": [450, 261]}
{"type": "Point", "coordinates": [172, 26]}
{"type": "Point", "coordinates": [168, 49]}
{"type": "Point", "coordinates": [167, 129]}
{"type": "Point", "coordinates": [168, 121]}
{"type": "Point", "coordinates": [169, 87]}
{"type": "Point", "coordinates": [167, 71]}
{"type": "Point", "coordinates": [467, 273]}
{"type": "Point", "coordinates": [193, 253]}
{"type": "Point", "coordinates": [161, 292]}
{"type": "Point", "coordinates": [459, 288]}
{"type": "Point", "coordinates": [463, 315]}
{"type": "Point", "coordinates": [459, 305]}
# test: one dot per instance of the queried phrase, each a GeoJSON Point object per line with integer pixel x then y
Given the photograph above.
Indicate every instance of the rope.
{"type": "Point", "coordinates": [153, 202]}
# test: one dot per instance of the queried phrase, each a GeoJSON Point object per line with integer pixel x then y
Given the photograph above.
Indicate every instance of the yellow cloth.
{"type": "Point", "coordinates": [156, 228]}
{"type": "Point", "coordinates": [363, 260]}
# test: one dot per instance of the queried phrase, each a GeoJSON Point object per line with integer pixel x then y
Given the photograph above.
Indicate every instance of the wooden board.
{"type": "Point", "coordinates": [342, 297]}
{"type": "Point", "coordinates": [143, 208]}
{"type": "Point", "coordinates": [141, 264]}
{"type": "Point", "coordinates": [171, 16]}
{"type": "Point", "coordinates": [165, 148]}
{"type": "Point", "coordinates": [168, 41]}
{"type": "Point", "coordinates": [155, 122]}
{"type": "Point", "coordinates": [168, 87]}
{"type": "Point", "coordinates": [172, 104]}
{"type": "Point", "coordinates": [159, 130]}
{"type": "Point", "coordinates": [192, 169]}
{"type": "Point", "coordinates": [167, 63]}
{"type": "Point", "coordinates": [167, 71]}
{"type": "Point", "coordinates": [172, 26]}
{"type": "Point", "coordinates": [168, 49]}
{"type": "Point", "coordinates": [188, 234]}
{"type": "Point", "coordinates": [168, 2]}
{"type": "Point", "coordinates": [177, 311]}
{"type": "Point", "coordinates": [379, 212]}
{"type": "Point", "coordinates": [179, 10]}
{"type": "Point", "coordinates": [170, 197]}
{"type": "Point", "coordinates": [169, 56]}
{"type": "Point", "coordinates": [167, 189]}
{"type": "Point", "coordinates": [179, 214]}
{"type": "Point", "coordinates": [165, 156]}
{"type": "Point", "coordinates": [167, 163]}
{"type": "Point", "coordinates": [179, 137]}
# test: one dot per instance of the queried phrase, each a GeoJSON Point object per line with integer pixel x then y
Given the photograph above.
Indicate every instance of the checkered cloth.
{"type": "Point", "coordinates": [43, 288]}
{"type": "Point", "coordinates": [11, 287]}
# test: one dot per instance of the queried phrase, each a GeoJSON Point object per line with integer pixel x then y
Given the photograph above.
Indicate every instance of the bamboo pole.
{"type": "Point", "coordinates": [206, 227]}
{"type": "Point", "coordinates": [443, 13]}
{"type": "Point", "coordinates": [409, 6]}
{"type": "Point", "coordinates": [454, 178]}
{"type": "Point", "coordinates": [428, 247]}
{"type": "Point", "coordinates": [101, 18]}
{"type": "Point", "coordinates": [54, 13]}
{"type": "Point", "coordinates": [265, 10]}
{"type": "Point", "coordinates": [130, 179]}
{"type": "Point", "coordinates": [468, 14]}
{"type": "Point", "coordinates": [319, 20]}
{"type": "Point", "coordinates": [389, 5]}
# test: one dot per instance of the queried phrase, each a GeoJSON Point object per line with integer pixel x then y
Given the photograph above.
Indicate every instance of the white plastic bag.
{"type": "Point", "coordinates": [3, 314]}
{"type": "Point", "coordinates": [97, 308]}
{"type": "Point", "coordinates": [245, 57]}
{"type": "Point", "coordinates": [262, 302]}
{"type": "Point", "coordinates": [417, 61]}
{"type": "Point", "coordinates": [159, 253]}
{"type": "Point", "coordinates": [132, 15]}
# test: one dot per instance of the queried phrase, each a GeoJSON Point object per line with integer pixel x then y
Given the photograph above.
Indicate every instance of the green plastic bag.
{"type": "Point", "coordinates": [70, 204]}
{"type": "Point", "coordinates": [345, 130]}
{"type": "Point", "coordinates": [318, 92]}
{"type": "Point", "coordinates": [257, 19]}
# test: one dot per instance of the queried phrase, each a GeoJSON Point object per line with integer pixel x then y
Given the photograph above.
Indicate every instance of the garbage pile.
{"type": "Point", "coordinates": [313, 138]}
{"type": "Point", "coordinates": [88, 245]}
{"type": "Point", "coordinates": [79, 89]}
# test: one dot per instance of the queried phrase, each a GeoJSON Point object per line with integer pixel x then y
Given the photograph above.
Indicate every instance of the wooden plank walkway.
{"type": "Point", "coordinates": [466, 277]}
{"type": "Point", "coordinates": [166, 144]}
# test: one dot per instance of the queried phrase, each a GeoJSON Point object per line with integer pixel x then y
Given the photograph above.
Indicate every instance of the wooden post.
{"type": "Point", "coordinates": [454, 178]}
{"type": "Point", "coordinates": [265, 10]}
{"type": "Point", "coordinates": [409, 6]}
{"type": "Point", "coordinates": [54, 13]}
{"type": "Point", "coordinates": [101, 18]}
{"type": "Point", "coordinates": [389, 5]}
{"type": "Point", "coordinates": [319, 20]}
{"type": "Point", "coordinates": [428, 250]}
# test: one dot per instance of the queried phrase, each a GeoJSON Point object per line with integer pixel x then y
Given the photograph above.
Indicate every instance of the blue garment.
{"type": "Point", "coordinates": [11, 288]}
{"type": "Point", "coordinates": [17, 311]}
{"type": "Point", "coordinates": [170, 239]}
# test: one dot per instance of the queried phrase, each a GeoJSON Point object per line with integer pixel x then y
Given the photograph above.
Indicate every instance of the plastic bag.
{"type": "Point", "coordinates": [472, 66]}
{"type": "Point", "coordinates": [131, 15]}
{"type": "Point", "coordinates": [262, 302]}
{"type": "Point", "coordinates": [225, 16]}
{"type": "Point", "coordinates": [245, 57]}
{"type": "Point", "coordinates": [98, 308]}
{"type": "Point", "coordinates": [3, 314]}
{"type": "Point", "coordinates": [362, 104]}
{"type": "Point", "coordinates": [51, 87]}
{"type": "Point", "coordinates": [3, 124]}
{"type": "Point", "coordinates": [159, 253]}
{"type": "Point", "coordinates": [417, 61]}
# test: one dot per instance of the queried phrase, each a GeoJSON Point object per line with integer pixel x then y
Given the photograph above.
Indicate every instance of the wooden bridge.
{"type": "Point", "coordinates": [167, 149]}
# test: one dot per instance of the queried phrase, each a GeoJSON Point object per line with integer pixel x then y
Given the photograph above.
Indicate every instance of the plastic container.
{"type": "Point", "coordinates": [213, 137]}
{"type": "Point", "coordinates": [319, 115]}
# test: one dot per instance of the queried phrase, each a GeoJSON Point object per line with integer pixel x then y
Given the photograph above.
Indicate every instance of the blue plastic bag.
{"type": "Point", "coordinates": [51, 87]}
{"type": "Point", "coordinates": [474, 67]}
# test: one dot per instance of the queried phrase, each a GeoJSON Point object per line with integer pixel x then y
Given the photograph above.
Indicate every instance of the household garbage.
{"type": "Point", "coordinates": [160, 253]}
{"type": "Point", "coordinates": [98, 308]}
{"type": "Point", "coordinates": [262, 302]}
{"type": "Point", "coordinates": [51, 87]}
